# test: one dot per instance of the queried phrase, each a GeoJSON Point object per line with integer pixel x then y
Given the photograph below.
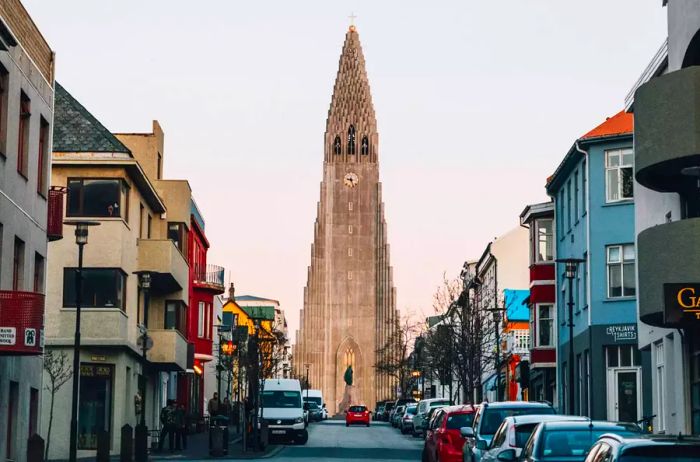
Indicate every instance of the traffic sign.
{"type": "Point", "coordinates": [149, 342]}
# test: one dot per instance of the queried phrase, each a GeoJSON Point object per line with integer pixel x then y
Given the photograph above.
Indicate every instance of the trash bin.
{"type": "Point", "coordinates": [218, 436]}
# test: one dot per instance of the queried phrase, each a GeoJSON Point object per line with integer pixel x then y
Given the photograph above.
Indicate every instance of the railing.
{"type": "Point", "coordinates": [54, 223]}
{"type": "Point", "coordinates": [210, 275]}
{"type": "Point", "coordinates": [21, 322]}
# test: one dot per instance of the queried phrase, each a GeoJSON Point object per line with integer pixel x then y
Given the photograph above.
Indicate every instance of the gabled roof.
{"type": "Point", "coordinates": [266, 313]}
{"type": "Point", "coordinates": [621, 123]}
{"type": "Point", "coordinates": [76, 130]}
{"type": "Point", "coordinates": [253, 298]}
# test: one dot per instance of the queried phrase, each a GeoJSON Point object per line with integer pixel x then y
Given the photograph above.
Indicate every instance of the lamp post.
{"type": "Point", "coordinates": [81, 238]}
{"type": "Point", "coordinates": [497, 321]}
{"type": "Point", "coordinates": [307, 366]}
{"type": "Point", "coordinates": [570, 270]}
{"type": "Point", "coordinates": [146, 343]}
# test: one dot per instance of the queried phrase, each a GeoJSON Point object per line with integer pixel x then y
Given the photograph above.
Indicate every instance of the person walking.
{"type": "Point", "coordinates": [167, 419]}
{"type": "Point", "coordinates": [226, 408]}
{"type": "Point", "coordinates": [181, 427]}
{"type": "Point", "coordinates": [214, 406]}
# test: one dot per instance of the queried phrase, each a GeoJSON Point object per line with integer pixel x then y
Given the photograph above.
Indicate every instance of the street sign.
{"type": "Point", "coordinates": [8, 335]}
{"type": "Point", "coordinates": [149, 342]}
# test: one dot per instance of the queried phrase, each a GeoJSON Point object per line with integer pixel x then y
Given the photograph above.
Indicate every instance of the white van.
{"type": "Point", "coordinates": [283, 411]}
{"type": "Point", "coordinates": [315, 396]}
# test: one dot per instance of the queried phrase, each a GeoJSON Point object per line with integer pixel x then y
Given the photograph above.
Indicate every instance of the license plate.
{"type": "Point", "coordinates": [279, 432]}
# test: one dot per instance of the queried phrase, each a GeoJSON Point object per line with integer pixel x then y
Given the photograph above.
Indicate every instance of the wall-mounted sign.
{"type": "Point", "coordinates": [8, 335]}
{"type": "Point", "coordinates": [681, 303]}
{"type": "Point", "coordinates": [621, 332]}
{"type": "Point", "coordinates": [29, 337]}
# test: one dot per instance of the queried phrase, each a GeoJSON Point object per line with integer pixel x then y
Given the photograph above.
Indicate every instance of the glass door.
{"type": "Point", "coordinates": [627, 395]}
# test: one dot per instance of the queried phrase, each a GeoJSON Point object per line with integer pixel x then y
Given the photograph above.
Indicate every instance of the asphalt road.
{"type": "Point", "coordinates": [332, 441]}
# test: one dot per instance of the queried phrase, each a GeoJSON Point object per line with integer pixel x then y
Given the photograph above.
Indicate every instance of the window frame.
{"type": "Point", "coordinates": [19, 261]}
{"type": "Point", "coordinates": [84, 303]}
{"type": "Point", "coordinates": [42, 184]}
{"type": "Point", "coordinates": [621, 166]}
{"type": "Point", "coordinates": [4, 98]}
{"type": "Point", "coordinates": [201, 319]}
{"type": "Point", "coordinates": [182, 236]}
{"type": "Point", "coordinates": [538, 328]}
{"type": "Point", "coordinates": [124, 190]}
{"type": "Point", "coordinates": [621, 264]}
{"type": "Point", "coordinates": [25, 116]}
{"type": "Point", "coordinates": [180, 321]}
{"type": "Point", "coordinates": [536, 241]}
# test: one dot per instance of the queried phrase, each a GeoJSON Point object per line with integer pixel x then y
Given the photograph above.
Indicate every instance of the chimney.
{"type": "Point", "coordinates": [231, 292]}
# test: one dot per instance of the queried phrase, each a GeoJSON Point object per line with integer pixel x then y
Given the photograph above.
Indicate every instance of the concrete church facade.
{"type": "Point", "coordinates": [349, 300]}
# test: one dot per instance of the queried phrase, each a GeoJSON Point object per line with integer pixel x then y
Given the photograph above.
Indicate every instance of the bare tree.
{"type": "Point", "coordinates": [394, 355]}
{"type": "Point", "coordinates": [57, 367]}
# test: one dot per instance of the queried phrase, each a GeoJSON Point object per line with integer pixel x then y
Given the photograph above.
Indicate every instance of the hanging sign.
{"type": "Point", "coordinates": [681, 303]}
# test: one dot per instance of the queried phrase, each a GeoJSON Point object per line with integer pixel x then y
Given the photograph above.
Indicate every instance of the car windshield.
{"type": "Point", "coordinates": [492, 418]}
{"type": "Point", "coordinates": [411, 409]}
{"type": "Point", "coordinates": [279, 398]}
{"type": "Point", "coordinates": [522, 433]}
{"type": "Point", "coordinates": [440, 403]}
{"type": "Point", "coordinates": [313, 406]}
{"type": "Point", "coordinates": [389, 407]}
{"type": "Point", "coordinates": [357, 409]}
{"type": "Point", "coordinates": [457, 421]}
{"type": "Point", "coordinates": [313, 399]}
{"type": "Point", "coordinates": [573, 442]}
{"type": "Point", "coordinates": [661, 453]}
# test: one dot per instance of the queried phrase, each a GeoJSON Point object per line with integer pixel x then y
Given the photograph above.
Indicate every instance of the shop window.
{"type": "Point", "coordinates": [619, 174]}
{"type": "Point", "coordinates": [175, 315]}
{"type": "Point", "coordinates": [545, 325]}
{"type": "Point", "coordinates": [621, 270]}
{"type": "Point", "coordinates": [23, 134]}
{"type": "Point", "coordinates": [102, 288]}
{"type": "Point", "coordinates": [544, 245]}
{"type": "Point", "coordinates": [177, 232]}
{"type": "Point", "coordinates": [97, 198]}
{"type": "Point", "coordinates": [95, 404]}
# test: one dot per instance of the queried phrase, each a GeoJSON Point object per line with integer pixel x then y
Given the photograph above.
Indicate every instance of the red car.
{"type": "Point", "coordinates": [357, 415]}
{"type": "Point", "coordinates": [443, 442]}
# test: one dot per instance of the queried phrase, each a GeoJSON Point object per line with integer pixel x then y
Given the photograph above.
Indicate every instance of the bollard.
{"type": "Point", "coordinates": [102, 446]}
{"type": "Point", "coordinates": [35, 448]}
{"type": "Point", "coordinates": [141, 443]}
{"type": "Point", "coordinates": [126, 453]}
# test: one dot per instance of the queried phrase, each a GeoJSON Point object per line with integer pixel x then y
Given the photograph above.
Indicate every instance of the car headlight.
{"type": "Point", "coordinates": [299, 420]}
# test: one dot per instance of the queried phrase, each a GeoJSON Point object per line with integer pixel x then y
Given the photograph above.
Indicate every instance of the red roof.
{"type": "Point", "coordinates": [621, 123]}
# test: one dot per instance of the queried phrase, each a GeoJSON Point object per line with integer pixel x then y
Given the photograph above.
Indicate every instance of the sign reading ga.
{"type": "Point", "coordinates": [681, 303]}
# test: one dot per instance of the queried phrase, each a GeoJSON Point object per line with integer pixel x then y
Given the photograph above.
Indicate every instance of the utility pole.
{"type": "Point", "coordinates": [570, 270]}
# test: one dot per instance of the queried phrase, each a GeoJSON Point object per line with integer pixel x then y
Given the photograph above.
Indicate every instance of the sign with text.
{"type": "Point", "coordinates": [8, 335]}
{"type": "Point", "coordinates": [621, 332]}
{"type": "Point", "coordinates": [681, 303]}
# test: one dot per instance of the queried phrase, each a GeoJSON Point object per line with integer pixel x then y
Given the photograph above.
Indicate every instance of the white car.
{"type": "Point", "coordinates": [515, 431]}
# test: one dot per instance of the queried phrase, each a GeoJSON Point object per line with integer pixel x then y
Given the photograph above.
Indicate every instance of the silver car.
{"type": "Point", "coordinates": [424, 407]}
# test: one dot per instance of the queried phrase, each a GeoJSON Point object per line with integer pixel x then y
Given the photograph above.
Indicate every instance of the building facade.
{"type": "Point", "coordinates": [594, 207]}
{"type": "Point", "coordinates": [542, 377]}
{"type": "Point", "coordinates": [349, 301]}
{"type": "Point", "coordinates": [515, 343]}
{"type": "Point", "coordinates": [665, 106]}
{"type": "Point", "coordinates": [26, 117]}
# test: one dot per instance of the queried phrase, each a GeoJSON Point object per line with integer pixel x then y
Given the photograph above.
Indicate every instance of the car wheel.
{"type": "Point", "coordinates": [304, 438]}
{"type": "Point", "coordinates": [368, 424]}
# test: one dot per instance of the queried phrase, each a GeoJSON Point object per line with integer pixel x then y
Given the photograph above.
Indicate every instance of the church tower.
{"type": "Point", "coordinates": [349, 298]}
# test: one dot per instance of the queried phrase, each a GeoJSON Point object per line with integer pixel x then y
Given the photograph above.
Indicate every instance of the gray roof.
{"type": "Point", "coordinates": [76, 130]}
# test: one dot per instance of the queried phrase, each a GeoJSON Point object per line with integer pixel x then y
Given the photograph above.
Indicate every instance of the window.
{"type": "Point", "coordinates": [576, 195]}
{"type": "Point", "coordinates": [174, 315]}
{"type": "Point", "coordinates": [584, 194]}
{"type": "Point", "coordinates": [349, 275]}
{"type": "Point", "coordinates": [623, 356]}
{"type": "Point", "coordinates": [560, 214]}
{"type": "Point", "coordinates": [621, 261]}
{"type": "Point", "coordinates": [42, 162]}
{"type": "Point", "coordinates": [351, 140]}
{"type": "Point", "coordinates": [102, 288]}
{"type": "Point", "coordinates": [364, 147]}
{"type": "Point", "coordinates": [23, 141]}
{"type": "Point", "coordinates": [12, 421]}
{"type": "Point", "coordinates": [177, 232]}
{"type": "Point", "coordinates": [544, 245]}
{"type": "Point", "coordinates": [568, 204]}
{"type": "Point", "coordinates": [159, 173]}
{"type": "Point", "coordinates": [350, 206]}
{"type": "Point", "coordinates": [660, 386]}
{"type": "Point", "coordinates": [619, 181]}
{"type": "Point", "coordinates": [336, 146]}
{"type": "Point", "coordinates": [148, 228]}
{"type": "Point", "coordinates": [140, 221]}
{"type": "Point", "coordinates": [38, 273]}
{"type": "Point", "coordinates": [97, 198]}
{"type": "Point", "coordinates": [200, 320]}
{"type": "Point", "coordinates": [18, 265]}
{"type": "Point", "coordinates": [584, 294]}
{"type": "Point", "coordinates": [545, 325]}
{"type": "Point", "coordinates": [349, 251]}
{"type": "Point", "coordinates": [4, 75]}
{"type": "Point", "coordinates": [349, 229]}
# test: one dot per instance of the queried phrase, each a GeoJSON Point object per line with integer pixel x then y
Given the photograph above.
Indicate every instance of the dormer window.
{"type": "Point", "coordinates": [336, 146]}
{"type": "Point", "coordinates": [351, 140]}
{"type": "Point", "coordinates": [364, 147]}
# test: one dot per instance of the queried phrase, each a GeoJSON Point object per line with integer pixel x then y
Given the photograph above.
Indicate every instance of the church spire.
{"type": "Point", "coordinates": [351, 127]}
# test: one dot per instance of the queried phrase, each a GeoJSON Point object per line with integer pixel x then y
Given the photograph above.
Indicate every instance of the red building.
{"type": "Point", "coordinates": [205, 282]}
{"type": "Point", "coordinates": [541, 385]}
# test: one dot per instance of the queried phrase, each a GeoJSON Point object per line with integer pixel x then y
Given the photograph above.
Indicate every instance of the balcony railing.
{"type": "Point", "coordinates": [54, 223]}
{"type": "Point", "coordinates": [21, 322]}
{"type": "Point", "coordinates": [209, 276]}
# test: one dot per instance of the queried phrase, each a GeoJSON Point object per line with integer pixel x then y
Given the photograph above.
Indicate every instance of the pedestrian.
{"type": "Point", "coordinates": [226, 408]}
{"type": "Point", "coordinates": [167, 419]}
{"type": "Point", "coordinates": [214, 406]}
{"type": "Point", "coordinates": [181, 427]}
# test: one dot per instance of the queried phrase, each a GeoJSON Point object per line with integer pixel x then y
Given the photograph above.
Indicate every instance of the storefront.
{"type": "Point", "coordinates": [95, 405]}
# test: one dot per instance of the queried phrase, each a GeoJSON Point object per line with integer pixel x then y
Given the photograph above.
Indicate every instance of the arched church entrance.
{"type": "Point", "coordinates": [349, 353]}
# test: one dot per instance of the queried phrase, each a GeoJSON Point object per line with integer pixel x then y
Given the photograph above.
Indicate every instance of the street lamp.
{"type": "Point", "coordinates": [570, 270]}
{"type": "Point", "coordinates": [81, 238]}
{"type": "Point", "coordinates": [496, 321]}
{"type": "Point", "coordinates": [146, 343]}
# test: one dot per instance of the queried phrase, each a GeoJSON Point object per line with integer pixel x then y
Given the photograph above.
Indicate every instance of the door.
{"type": "Point", "coordinates": [627, 395]}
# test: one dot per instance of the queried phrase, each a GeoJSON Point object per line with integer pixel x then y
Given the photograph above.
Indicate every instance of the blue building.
{"type": "Point", "coordinates": [594, 218]}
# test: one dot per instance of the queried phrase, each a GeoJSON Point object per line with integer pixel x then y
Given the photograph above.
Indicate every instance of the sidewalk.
{"type": "Point", "coordinates": [198, 448]}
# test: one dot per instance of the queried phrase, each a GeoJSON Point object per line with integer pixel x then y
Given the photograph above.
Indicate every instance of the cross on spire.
{"type": "Point", "coordinates": [352, 19]}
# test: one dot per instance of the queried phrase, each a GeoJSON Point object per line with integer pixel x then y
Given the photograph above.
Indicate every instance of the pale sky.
{"type": "Point", "coordinates": [477, 102]}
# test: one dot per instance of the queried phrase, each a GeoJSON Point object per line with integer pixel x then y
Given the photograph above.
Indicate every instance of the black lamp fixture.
{"type": "Point", "coordinates": [146, 343]}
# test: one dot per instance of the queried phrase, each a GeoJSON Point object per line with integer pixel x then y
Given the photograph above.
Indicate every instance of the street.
{"type": "Point", "coordinates": [332, 440]}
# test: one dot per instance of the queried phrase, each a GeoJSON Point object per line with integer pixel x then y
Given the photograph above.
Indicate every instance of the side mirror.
{"type": "Point", "coordinates": [482, 445]}
{"type": "Point", "coordinates": [466, 432]}
{"type": "Point", "coordinates": [507, 455]}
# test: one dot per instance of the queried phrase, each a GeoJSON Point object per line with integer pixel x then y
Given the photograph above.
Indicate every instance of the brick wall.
{"type": "Point", "coordinates": [27, 34]}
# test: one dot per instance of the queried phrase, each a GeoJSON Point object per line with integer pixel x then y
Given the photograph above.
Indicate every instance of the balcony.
{"type": "Point", "coordinates": [659, 249]}
{"type": "Point", "coordinates": [54, 223]}
{"type": "Point", "coordinates": [21, 322]}
{"type": "Point", "coordinates": [667, 130]}
{"type": "Point", "coordinates": [169, 352]}
{"type": "Point", "coordinates": [209, 277]}
{"type": "Point", "coordinates": [169, 269]}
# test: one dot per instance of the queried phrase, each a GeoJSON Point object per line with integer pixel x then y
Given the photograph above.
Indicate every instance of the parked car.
{"type": "Point", "coordinates": [516, 430]}
{"type": "Point", "coordinates": [396, 416]}
{"type": "Point", "coordinates": [400, 402]}
{"type": "Point", "coordinates": [388, 409]}
{"type": "Point", "coordinates": [646, 448]}
{"type": "Point", "coordinates": [379, 412]}
{"type": "Point", "coordinates": [443, 441]}
{"type": "Point", "coordinates": [431, 415]}
{"type": "Point", "coordinates": [489, 417]}
{"type": "Point", "coordinates": [315, 412]}
{"type": "Point", "coordinates": [424, 406]}
{"type": "Point", "coordinates": [406, 423]}
{"type": "Point", "coordinates": [567, 441]}
{"type": "Point", "coordinates": [357, 415]}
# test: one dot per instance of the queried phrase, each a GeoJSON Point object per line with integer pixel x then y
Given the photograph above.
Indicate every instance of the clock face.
{"type": "Point", "coordinates": [351, 179]}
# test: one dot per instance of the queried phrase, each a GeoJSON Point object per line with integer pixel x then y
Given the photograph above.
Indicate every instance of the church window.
{"type": "Point", "coordinates": [351, 140]}
{"type": "Point", "coordinates": [364, 148]}
{"type": "Point", "coordinates": [350, 357]}
{"type": "Point", "coordinates": [336, 145]}
{"type": "Point", "coordinates": [349, 275]}
{"type": "Point", "coordinates": [349, 229]}
{"type": "Point", "coordinates": [349, 251]}
{"type": "Point", "coordinates": [350, 206]}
